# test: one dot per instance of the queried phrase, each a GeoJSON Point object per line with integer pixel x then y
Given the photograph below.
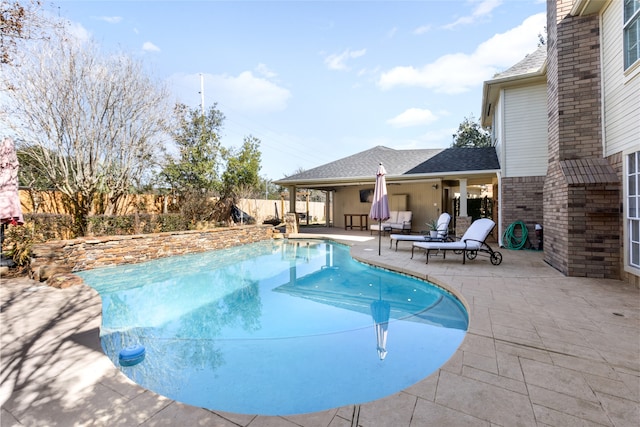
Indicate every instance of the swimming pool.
{"type": "Point", "coordinates": [276, 327]}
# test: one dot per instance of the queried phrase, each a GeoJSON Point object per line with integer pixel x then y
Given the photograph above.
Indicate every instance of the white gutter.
{"type": "Point", "coordinates": [398, 179]}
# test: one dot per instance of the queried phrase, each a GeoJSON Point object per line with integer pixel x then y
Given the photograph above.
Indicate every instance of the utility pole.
{"type": "Point", "coordinates": [202, 92]}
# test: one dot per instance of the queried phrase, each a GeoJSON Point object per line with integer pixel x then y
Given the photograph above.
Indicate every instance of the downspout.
{"type": "Point", "coordinates": [503, 166]}
{"type": "Point", "coordinates": [602, 94]}
{"type": "Point", "coordinates": [499, 175]}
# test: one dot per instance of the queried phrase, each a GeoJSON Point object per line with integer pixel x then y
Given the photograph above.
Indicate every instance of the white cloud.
{"type": "Point", "coordinates": [422, 29]}
{"type": "Point", "coordinates": [413, 117]}
{"type": "Point", "coordinates": [264, 71]}
{"type": "Point", "coordinates": [443, 136]}
{"type": "Point", "coordinates": [244, 93]}
{"type": "Point", "coordinates": [483, 8]}
{"type": "Point", "coordinates": [339, 61]}
{"type": "Point", "coordinates": [78, 32]}
{"type": "Point", "coordinates": [109, 19]}
{"type": "Point", "coordinates": [459, 72]}
{"type": "Point", "coordinates": [150, 47]}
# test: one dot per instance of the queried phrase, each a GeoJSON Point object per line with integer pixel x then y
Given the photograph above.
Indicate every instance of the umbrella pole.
{"type": "Point", "coordinates": [379, 235]}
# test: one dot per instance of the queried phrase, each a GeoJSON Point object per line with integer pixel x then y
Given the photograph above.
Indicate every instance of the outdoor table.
{"type": "Point", "coordinates": [348, 221]}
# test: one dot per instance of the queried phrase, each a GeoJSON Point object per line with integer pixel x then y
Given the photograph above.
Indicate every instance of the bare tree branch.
{"type": "Point", "coordinates": [95, 124]}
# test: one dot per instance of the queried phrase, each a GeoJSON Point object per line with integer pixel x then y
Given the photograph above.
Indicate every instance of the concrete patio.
{"type": "Point", "coordinates": [542, 350]}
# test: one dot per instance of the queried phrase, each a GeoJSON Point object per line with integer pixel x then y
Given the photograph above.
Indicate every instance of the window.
{"type": "Point", "coordinates": [633, 207]}
{"type": "Point", "coordinates": [631, 32]}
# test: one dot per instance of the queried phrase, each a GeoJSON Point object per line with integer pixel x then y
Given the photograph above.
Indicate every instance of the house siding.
{"type": "Point", "coordinates": [525, 127]}
{"type": "Point", "coordinates": [621, 94]}
{"type": "Point", "coordinates": [620, 90]}
{"type": "Point", "coordinates": [498, 132]}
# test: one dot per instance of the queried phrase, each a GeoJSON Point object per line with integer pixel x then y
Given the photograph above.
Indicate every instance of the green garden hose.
{"type": "Point", "coordinates": [509, 238]}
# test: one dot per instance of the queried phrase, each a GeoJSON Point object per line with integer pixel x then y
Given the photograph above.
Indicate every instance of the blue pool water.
{"type": "Point", "coordinates": [276, 327]}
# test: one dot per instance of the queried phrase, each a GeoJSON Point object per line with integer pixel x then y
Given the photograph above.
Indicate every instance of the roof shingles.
{"type": "Point", "coordinates": [401, 162]}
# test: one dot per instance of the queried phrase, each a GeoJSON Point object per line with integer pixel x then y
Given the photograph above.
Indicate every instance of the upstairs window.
{"type": "Point", "coordinates": [631, 32]}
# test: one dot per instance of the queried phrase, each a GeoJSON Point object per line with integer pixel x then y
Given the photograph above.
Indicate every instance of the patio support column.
{"type": "Point", "coordinates": [463, 221]}
{"type": "Point", "coordinates": [292, 198]}
{"type": "Point", "coordinates": [463, 198]}
{"type": "Point", "coordinates": [291, 218]}
{"type": "Point", "coordinates": [327, 208]}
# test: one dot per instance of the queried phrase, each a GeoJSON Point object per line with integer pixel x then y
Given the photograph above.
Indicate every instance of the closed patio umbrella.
{"type": "Point", "coordinates": [10, 211]}
{"type": "Point", "coordinates": [380, 206]}
{"type": "Point", "coordinates": [380, 311]}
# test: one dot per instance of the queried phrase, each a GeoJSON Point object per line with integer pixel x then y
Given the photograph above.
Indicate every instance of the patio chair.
{"type": "Point", "coordinates": [443, 233]}
{"type": "Point", "coordinates": [471, 243]}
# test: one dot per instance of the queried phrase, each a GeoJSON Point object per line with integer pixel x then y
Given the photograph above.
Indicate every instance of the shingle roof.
{"type": "Point", "coordinates": [460, 159]}
{"type": "Point", "coordinates": [401, 163]}
{"type": "Point", "coordinates": [365, 164]}
{"type": "Point", "coordinates": [530, 64]}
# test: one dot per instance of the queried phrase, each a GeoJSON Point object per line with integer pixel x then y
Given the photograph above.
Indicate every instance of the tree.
{"type": "Point", "coordinates": [542, 37]}
{"type": "Point", "coordinates": [21, 22]}
{"type": "Point", "coordinates": [91, 124]}
{"type": "Point", "coordinates": [198, 142]}
{"type": "Point", "coordinates": [267, 189]}
{"type": "Point", "coordinates": [471, 134]}
{"type": "Point", "coordinates": [16, 20]}
{"type": "Point", "coordinates": [241, 177]}
{"type": "Point", "coordinates": [314, 195]}
{"type": "Point", "coordinates": [207, 177]}
{"type": "Point", "coordinates": [193, 176]}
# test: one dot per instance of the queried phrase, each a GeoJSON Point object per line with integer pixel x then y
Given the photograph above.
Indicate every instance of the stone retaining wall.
{"type": "Point", "coordinates": [86, 253]}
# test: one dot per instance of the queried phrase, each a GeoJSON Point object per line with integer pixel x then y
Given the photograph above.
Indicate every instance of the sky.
{"type": "Point", "coordinates": [316, 81]}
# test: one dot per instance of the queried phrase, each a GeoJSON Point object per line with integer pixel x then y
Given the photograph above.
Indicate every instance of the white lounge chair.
{"type": "Point", "coordinates": [472, 242]}
{"type": "Point", "coordinates": [443, 233]}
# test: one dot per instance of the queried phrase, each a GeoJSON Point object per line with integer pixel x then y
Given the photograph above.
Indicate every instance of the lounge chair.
{"type": "Point", "coordinates": [472, 242]}
{"type": "Point", "coordinates": [443, 233]}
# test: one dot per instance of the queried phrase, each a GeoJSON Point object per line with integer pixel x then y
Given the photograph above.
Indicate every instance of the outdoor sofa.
{"type": "Point", "coordinates": [441, 233]}
{"type": "Point", "coordinates": [398, 220]}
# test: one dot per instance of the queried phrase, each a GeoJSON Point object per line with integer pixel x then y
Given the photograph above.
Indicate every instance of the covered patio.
{"type": "Point", "coordinates": [426, 182]}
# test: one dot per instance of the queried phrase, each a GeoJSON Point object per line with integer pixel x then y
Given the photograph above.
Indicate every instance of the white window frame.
{"type": "Point", "coordinates": [632, 190]}
{"type": "Point", "coordinates": [631, 32]}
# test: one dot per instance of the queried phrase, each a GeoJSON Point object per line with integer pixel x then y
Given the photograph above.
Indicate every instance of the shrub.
{"type": "Point", "coordinates": [18, 242]}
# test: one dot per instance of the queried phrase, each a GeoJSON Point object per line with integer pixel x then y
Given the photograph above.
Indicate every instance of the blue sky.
{"type": "Point", "coordinates": [316, 81]}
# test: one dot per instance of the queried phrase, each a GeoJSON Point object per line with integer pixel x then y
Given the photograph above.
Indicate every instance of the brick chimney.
{"type": "Point", "coordinates": [581, 191]}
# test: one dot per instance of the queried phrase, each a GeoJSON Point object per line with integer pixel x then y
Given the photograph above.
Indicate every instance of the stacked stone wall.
{"type": "Point", "coordinates": [87, 253]}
